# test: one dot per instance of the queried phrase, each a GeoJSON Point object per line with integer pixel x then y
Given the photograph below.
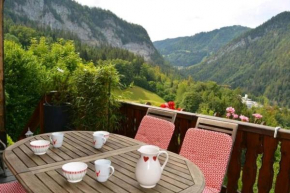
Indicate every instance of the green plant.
{"type": "Point", "coordinates": [9, 140]}
{"type": "Point", "coordinates": [23, 75]}
{"type": "Point", "coordinates": [93, 106]}
{"type": "Point", "coordinates": [60, 61]}
{"type": "Point", "coordinates": [58, 84]}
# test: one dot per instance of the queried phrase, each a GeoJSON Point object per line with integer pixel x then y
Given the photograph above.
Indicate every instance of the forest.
{"type": "Point", "coordinates": [191, 50]}
{"type": "Point", "coordinates": [257, 62]}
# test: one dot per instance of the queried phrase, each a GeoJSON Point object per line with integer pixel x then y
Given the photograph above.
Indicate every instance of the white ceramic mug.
{"type": "Point", "coordinates": [99, 140]}
{"type": "Point", "coordinates": [103, 167]}
{"type": "Point", "coordinates": [56, 139]}
{"type": "Point", "coordinates": [105, 133]}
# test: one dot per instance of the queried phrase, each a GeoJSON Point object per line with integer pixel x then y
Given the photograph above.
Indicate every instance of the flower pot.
{"type": "Point", "coordinates": [56, 117]}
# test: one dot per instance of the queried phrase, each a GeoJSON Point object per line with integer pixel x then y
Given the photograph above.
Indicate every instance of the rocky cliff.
{"type": "Point", "coordinates": [93, 26]}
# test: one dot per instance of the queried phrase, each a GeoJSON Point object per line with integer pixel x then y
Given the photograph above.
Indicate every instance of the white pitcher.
{"type": "Point", "coordinates": [148, 169]}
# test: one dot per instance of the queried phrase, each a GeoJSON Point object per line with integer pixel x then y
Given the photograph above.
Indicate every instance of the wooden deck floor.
{"type": "Point", "coordinates": [8, 178]}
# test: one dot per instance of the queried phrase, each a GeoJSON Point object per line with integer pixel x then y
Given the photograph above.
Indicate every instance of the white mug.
{"type": "Point", "coordinates": [103, 167]}
{"type": "Point", "coordinates": [99, 140]}
{"type": "Point", "coordinates": [56, 139]}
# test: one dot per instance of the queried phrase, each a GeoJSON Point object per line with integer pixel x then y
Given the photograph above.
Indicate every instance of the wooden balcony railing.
{"type": "Point", "coordinates": [254, 144]}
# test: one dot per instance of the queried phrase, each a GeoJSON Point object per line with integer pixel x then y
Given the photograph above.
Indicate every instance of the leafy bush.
{"type": "Point", "coordinates": [93, 107]}
{"type": "Point", "coordinates": [191, 101]}
{"type": "Point", "coordinates": [126, 71]}
{"type": "Point", "coordinates": [23, 76]}
{"type": "Point", "coordinates": [208, 98]}
{"type": "Point", "coordinates": [47, 66]}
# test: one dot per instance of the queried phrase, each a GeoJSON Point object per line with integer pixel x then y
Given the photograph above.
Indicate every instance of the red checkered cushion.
{"type": "Point", "coordinates": [210, 190]}
{"type": "Point", "coordinates": [155, 131]}
{"type": "Point", "coordinates": [12, 187]}
{"type": "Point", "coordinates": [210, 151]}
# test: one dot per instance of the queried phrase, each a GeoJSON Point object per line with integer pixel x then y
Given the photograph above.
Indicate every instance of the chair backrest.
{"type": "Point", "coordinates": [162, 114]}
{"type": "Point", "coordinates": [218, 126]}
{"type": "Point", "coordinates": [210, 151]}
{"type": "Point", "coordinates": [12, 187]}
{"type": "Point", "coordinates": [2, 148]}
{"type": "Point", "coordinates": [155, 131]}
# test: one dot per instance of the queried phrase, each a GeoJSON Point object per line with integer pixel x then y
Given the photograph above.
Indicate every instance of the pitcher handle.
{"type": "Point", "coordinates": [113, 170]}
{"type": "Point", "coordinates": [104, 140]}
{"type": "Point", "coordinates": [167, 156]}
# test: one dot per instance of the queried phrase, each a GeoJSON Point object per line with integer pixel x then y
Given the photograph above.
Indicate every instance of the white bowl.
{"type": "Point", "coordinates": [74, 171]}
{"type": "Point", "coordinates": [39, 147]}
{"type": "Point", "coordinates": [105, 133]}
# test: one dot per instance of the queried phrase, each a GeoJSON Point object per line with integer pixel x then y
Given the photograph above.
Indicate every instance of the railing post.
{"type": "Point", "coordinates": [2, 96]}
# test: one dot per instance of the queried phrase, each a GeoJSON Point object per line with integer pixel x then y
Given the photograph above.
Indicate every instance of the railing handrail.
{"type": "Point", "coordinates": [245, 126]}
{"type": "Point", "coordinates": [242, 125]}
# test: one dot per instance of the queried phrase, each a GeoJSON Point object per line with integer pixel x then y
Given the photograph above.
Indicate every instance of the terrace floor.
{"type": "Point", "coordinates": [8, 178]}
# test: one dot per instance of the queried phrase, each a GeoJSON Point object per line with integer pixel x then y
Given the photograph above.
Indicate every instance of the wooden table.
{"type": "Point", "coordinates": [41, 174]}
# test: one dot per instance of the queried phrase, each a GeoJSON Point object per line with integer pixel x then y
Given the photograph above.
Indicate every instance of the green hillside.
{"type": "Point", "coordinates": [140, 95]}
{"type": "Point", "coordinates": [258, 61]}
{"type": "Point", "coordinates": [185, 51]}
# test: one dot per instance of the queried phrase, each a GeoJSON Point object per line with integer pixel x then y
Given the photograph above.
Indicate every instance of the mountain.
{"type": "Point", "coordinates": [258, 61]}
{"type": "Point", "coordinates": [186, 51]}
{"type": "Point", "coordinates": [93, 26]}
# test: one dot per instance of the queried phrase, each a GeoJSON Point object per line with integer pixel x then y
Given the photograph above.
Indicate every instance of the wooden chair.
{"type": "Point", "coordinates": [156, 128]}
{"type": "Point", "coordinates": [209, 146]}
{"type": "Point", "coordinates": [162, 114]}
{"type": "Point", "coordinates": [12, 187]}
{"type": "Point", "coordinates": [218, 126]}
{"type": "Point", "coordinates": [1, 158]}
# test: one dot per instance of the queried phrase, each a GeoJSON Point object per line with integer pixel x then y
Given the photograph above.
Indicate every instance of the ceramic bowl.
{"type": "Point", "coordinates": [105, 133]}
{"type": "Point", "coordinates": [39, 147]}
{"type": "Point", "coordinates": [74, 171]}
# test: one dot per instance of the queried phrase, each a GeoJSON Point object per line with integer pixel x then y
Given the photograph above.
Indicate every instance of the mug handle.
{"type": "Point", "coordinates": [113, 170]}
{"type": "Point", "coordinates": [104, 140]}
{"type": "Point", "coordinates": [167, 156]}
{"type": "Point", "coordinates": [50, 139]}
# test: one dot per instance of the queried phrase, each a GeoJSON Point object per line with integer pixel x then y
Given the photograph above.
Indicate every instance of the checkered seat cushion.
{"type": "Point", "coordinates": [210, 151]}
{"type": "Point", "coordinates": [12, 187]}
{"type": "Point", "coordinates": [155, 131]}
{"type": "Point", "coordinates": [210, 190]}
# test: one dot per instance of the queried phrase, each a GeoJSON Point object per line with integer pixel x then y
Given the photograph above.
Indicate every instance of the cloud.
{"type": "Point", "coordinates": [174, 18]}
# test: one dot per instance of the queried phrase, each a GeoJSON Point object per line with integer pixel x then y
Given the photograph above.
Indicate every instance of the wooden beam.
{"type": "Point", "coordinates": [2, 98]}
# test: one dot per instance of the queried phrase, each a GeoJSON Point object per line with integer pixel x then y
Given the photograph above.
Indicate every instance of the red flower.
{"type": "Point", "coordinates": [163, 106]}
{"type": "Point", "coordinates": [171, 105]}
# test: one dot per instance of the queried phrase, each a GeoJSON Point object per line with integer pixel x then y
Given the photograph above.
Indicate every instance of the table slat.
{"type": "Point", "coordinates": [24, 158]}
{"type": "Point", "coordinates": [63, 182]}
{"type": "Point", "coordinates": [31, 155]}
{"type": "Point", "coordinates": [32, 183]}
{"type": "Point", "coordinates": [50, 183]}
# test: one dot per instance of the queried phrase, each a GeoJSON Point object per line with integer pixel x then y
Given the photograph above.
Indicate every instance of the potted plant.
{"type": "Point", "coordinates": [57, 108]}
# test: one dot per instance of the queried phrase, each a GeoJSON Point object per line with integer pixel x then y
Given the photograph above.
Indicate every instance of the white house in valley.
{"type": "Point", "coordinates": [246, 100]}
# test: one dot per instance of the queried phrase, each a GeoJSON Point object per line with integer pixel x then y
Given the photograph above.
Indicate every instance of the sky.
{"type": "Point", "coordinates": [177, 18]}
